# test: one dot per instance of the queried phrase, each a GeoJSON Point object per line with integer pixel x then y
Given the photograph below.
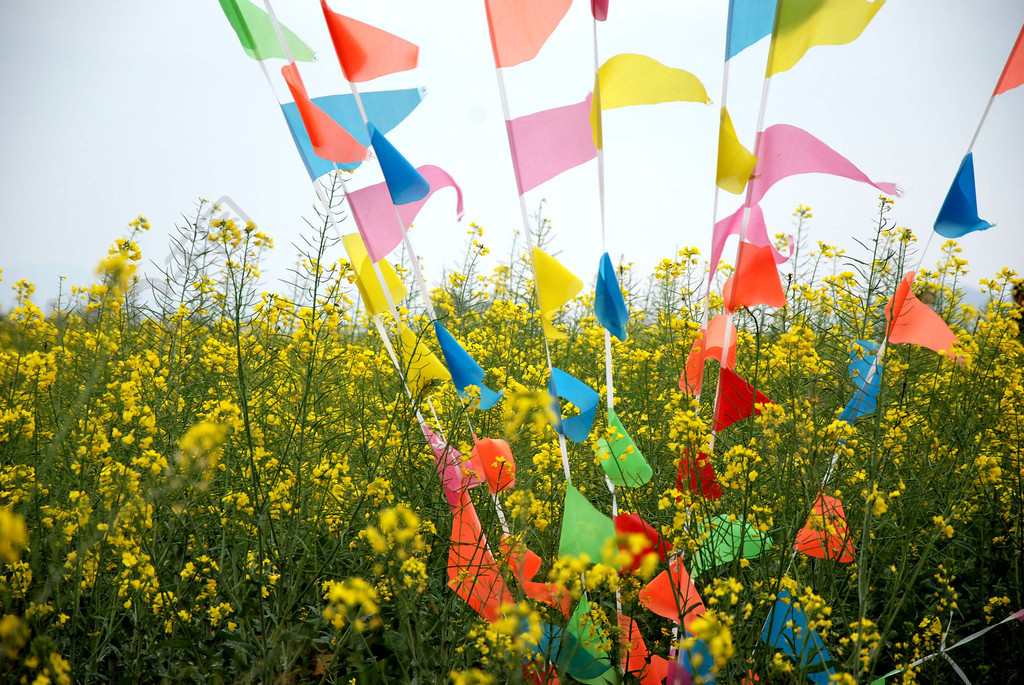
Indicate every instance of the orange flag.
{"type": "Point", "coordinates": [708, 345]}
{"type": "Point", "coordinates": [329, 140]}
{"type": "Point", "coordinates": [366, 52]}
{"type": "Point", "coordinates": [1013, 72]}
{"type": "Point", "coordinates": [525, 565]}
{"type": "Point", "coordinates": [826, 534]}
{"type": "Point", "coordinates": [673, 595]}
{"type": "Point", "coordinates": [519, 28]}
{"type": "Point", "coordinates": [472, 571]}
{"type": "Point", "coordinates": [651, 670]}
{"type": "Point", "coordinates": [756, 280]}
{"type": "Point", "coordinates": [912, 321]}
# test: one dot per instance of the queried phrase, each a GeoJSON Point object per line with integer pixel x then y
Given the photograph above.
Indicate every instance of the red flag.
{"type": "Point", "coordinates": [756, 280]}
{"type": "Point", "coordinates": [912, 321]}
{"type": "Point", "coordinates": [366, 52]}
{"type": "Point", "coordinates": [826, 534]}
{"type": "Point", "coordinates": [599, 8]}
{"type": "Point", "coordinates": [519, 28]}
{"type": "Point", "coordinates": [525, 565]}
{"type": "Point", "coordinates": [736, 400]}
{"type": "Point", "coordinates": [329, 140]}
{"type": "Point", "coordinates": [1013, 72]}
{"type": "Point", "coordinates": [472, 571]}
{"type": "Point", "coordinates": [698, 476]}
{"type": "Point", "coordinates": [708, 345]}
{"type": "Point", "coordinates": [633, 524]}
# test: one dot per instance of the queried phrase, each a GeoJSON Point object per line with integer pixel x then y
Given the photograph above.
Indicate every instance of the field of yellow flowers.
{"type": "Point", "coordinates": [204, 482]}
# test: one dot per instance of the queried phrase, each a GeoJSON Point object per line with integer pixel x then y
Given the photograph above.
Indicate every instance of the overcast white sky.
{"type": "Point", "coordinates": [115, 108]}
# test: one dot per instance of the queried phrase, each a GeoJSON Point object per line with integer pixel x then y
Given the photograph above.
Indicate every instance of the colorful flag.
{"type": "Point", "coordinates": [757, 233]}
{"type": "Point", "coordinates": [366, 52]}
{"type": "Point", "coordinates": [366, 280]}
{"type": "Point", "coordinates": [649, 669]}
{"type": "Point", "coordinates": [804, 24]}
{"type": "Point", "coordinates": [450, 467]}
{"type": "Point", "coordinates": [545, 144]}
{"type": "Point", "coordinates": [620, 458]}
{"type": "Point", "coordinates": [561, 646]}
{"type": "Point", "coordinates": [727, 540]}
{"type": "Point", "coordinates": [328, 139]}
{"type": "Point", "coordinates": [374, 210]}
{"type": "Point", "coordinates": [492, 457]}
{"type": "Point", "coordinates": [422, 367]}
{"type": "Point", "coordinates": [787, 151]}
{"type": "Point", "coordinates": [1013, 72]}
{"type": "Point", "coordinates": [708, 345]}
{"type": "Point", "coordinates": [866, 370]}
{"type": "Point", "coordinates": [472, 571]}
{"type": "Point", "coordinates": [787, 630]}
{"type": "Point", "coordinates": [632, 525]}
{"type": "Point", "coordinates": [590, 636]}
{"type": "Point", "coordinates": [735, 162]}
{"type": "Point", "coordinates": [912, 321]}
{"type": "Point", "coordinates": [405, 184]}
{"type": "Point", "coordinates": [556, 285]}
{"type": "Point", "coordinates": [576, 428]}
{"type": "Point", "coordinates": [519, 28]}
{"type": "Point", "coordinates": [599, 8]}
{"type": "Point", "coordinates": [386, 109]}
{"type": "Point", "coordinates": [609, 306]}
{"type": "Point", "coordinates": [749, 22]}
{"type": "Point", "coordinates": [464, 370]}
{"type": "Point", "coordinates": [525, 565]}
{"type": "Point", "coordinates": [673, 595]}
{"type": "Point", "coordinates": [959, 213]}
{"type": "Point", "coordinates": [256, 33]}
{"type": "Point", "coordinates": [756, 280]}
{"type": "Point", "coordinates": [826, 534]}
{"type": "Point", "coordinates": [737, 400]}
{"type": "Point", "coordinates": [585, 530]}
{"type": "Point", "coordinates": [696, 475]}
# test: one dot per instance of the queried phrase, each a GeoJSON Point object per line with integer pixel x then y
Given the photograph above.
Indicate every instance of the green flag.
{"type": "Point", "coordinates": [624, 464]}
{"type": "Point", "coordinates": [256, 33]}
{"type": "Point", "coordinates": [584, 528]}
{"type": "Point", "coordinates": [590, 636]}
{"type": "Point", "coordinates": [724, 544]}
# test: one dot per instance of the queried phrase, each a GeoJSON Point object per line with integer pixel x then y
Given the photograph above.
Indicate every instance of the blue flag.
{"type": "Point", "coordinates": [608, 303]}
{"type": "Point", "coordinates": [465, 371]}
{"type": "Point", "coordinates": [699, 661]}
{"type": "Point", "coordinates": [386, 108]}
{"type": "Point", "coordinates": [864, 400]}
{"type": "Point", "coordinates": [797, 640]}
{"type": "Point", "coordinates": [749, 22]}
{"type": "Point", "coordinates": [576, 428]}
{"type": "Point", "coordinates": [959, 213]}
{"type": "Point", "coordinates": [559, 646]}
{"type": "Point", "coordinates": [404, 183]}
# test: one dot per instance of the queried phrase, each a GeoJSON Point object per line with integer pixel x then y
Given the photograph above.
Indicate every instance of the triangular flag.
{"type": "Point", "coordinates": [493, 457]}
{"type": "Point", "coordinates": [673, 595]}
{"type": "Point", "coordinates": [386, 109]}
{"type": "Point", "coordinates": [749, 22]}
{"type": "Point", "coordinates": [586, 399]}
{"type": "Point", "coordinates": [649, 669]}
{"type": "Point", "coordinates": [590, 635]}
{"type": "Point", "coordinates": [628, 79]}
{"type": "Point", "coordinates": [328, 139]}
{"type": "Point", "coordinates": [599, 8]}
{"type": "Point", "coordinates": [404, 183]}
{"type": "Point", "coordinates": [519, 28]}
{"type": "Point", "coordinates": [472, 571]}
{"type": "Point", "coordinates": [736, 401]}
{"type": "Point", "coordinates": [450, 468]}
{"type": "Point", "coordinates": [826, 534]}
{"type": "Point", "coordinates": [1013, 72]}
{"type": "Point", "coordinates": [804, 24]}
{"type": "Point", "coordinates": [632, 525]}
{"type": "Point", "coordinates": [866, 370]}
{"type": "Point", "coordinates": [959, 213]}
{"type": "Point", "coordinates": [788, 631]}
{"type": "Point", "coordinates": [464, 370]}
{"type": "Point", "coordinates": [726, 541]}
{"type": "Point", "coordinates": [366, 280]}
{"type": "Point", "coordinates": [757, 233]}
{"type": "Point", "coordinates": [559, 646]}
{"type": "Point", "coordinates": [556, 285]}
{"type": "Point", "coordinates": [525, 565]}
{"type": "Point", "coordinates": [914, 322]}
{"type": "Point", "coordinates": [696, 475]}
{"type": "Point", "coordinates": [585, 530]}
{"type": "Point", "coordinates": [756, 280]}
{"type": "Point", "coordinates": [375, 213]}
{"type": "Point", "coordinates": [698, 660]}
{"type": "Point", "coordinates": [621, 459]}
{"type": "Point", "coordinates": [609, 305]}
{"type": "Point", "coordinates": [422, 368]}
{"type": "Point", "coordinates": [735, 162]}
{"type": "Point", "coordinates": [256, 33]}
{"type": "Point", "coordinates": [787, 151]}
{"type": "Point", "coordinates": [366, 52]}
{"type": "Point", "coordinates": [544, 144]}
{"type": "Point", "coordinates": [708, 345]}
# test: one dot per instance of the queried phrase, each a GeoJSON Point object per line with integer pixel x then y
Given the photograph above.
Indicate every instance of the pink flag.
{"type": "Point", "coordinates": [547, 143]}
{"type": "Point", "coordinates": [450, 468]}
{"type": "Point", "coordinates": [757, 233]}
{"type": "Point", "coordinates": [375, 213]}
{"type": "Point", "coordinates": [786, 150]}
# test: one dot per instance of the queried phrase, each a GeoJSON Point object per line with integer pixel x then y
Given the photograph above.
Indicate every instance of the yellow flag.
{"type": "Point", "coordinates": [422, 367]}
{"type": "Point", "coordinates": [366, 279]}
{"type": "Point", "coordinates": [802, 24]}
{"type": "Point", "coordinates": [556, 285]}
{"type": "Point", "coordinates": [735, 163]}
{"type": "Point", "coordinates": [629, 79]}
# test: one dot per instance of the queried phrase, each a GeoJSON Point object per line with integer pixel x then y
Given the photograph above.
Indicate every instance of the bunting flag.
{"type": "Point", "coordinates": [609, 304]}
{"type": "Point", "coordinates": [620, 458]}
{"type": "Point", "coordinates": [756, 280]}
{"type": "Point", "coordinates": [803, 24]}
{"type": "Point", "coordinates": [493, 458]}
{"type": "Point", "coordinates": [525, 565]}
{"type": "Point", "coordinates": [327, 138]}
{"type": "Point", "coordinates": [862, 359]}
{"type": "Point", "coordinates": [639, 539]}
{"type": "Point", "coordinates": [629, 79]}
{"type": "Point", "coordinates": [450, 469]}
{"type": "Point", "coordinates": [366, 52]}
{"type": "Point", "coordinates": [472, 571]}
{"type": "Point", "coordinates": [735, 162]}
{"type": "Point", "coordinates": [386, 109]}
{"type": "Point", "coordinates": [586, 399]}
{"type": "Point", "coordinates": [366, 280]}
{"type": "Point", "coordinates": [708, 345]}
{"type": "Point", "coordinates": [737, 400]}
{"type": "Point", "coordinates": [519, 28]}
{"type": "Point", "coordinates": [256, 33]}
{"type": "Point", "coordinates": [422, 368]}
{"type": "Point", "coordinates": [405, 184]}
{"type": "Point", "coordinates": [787, 151]}
{"type": "Point", "coordinates": [912, 321]}
{"type": "Point", "coordinates": [698, 660]}
{"type": "Point", "coordinates": [749, 22]}
{"type": "Point", "coordinates": [649, 669]}
{"type": "Point", "coordinates": [545, 144]}
{"type": "Point", "coordinates": [464, 370]}
{"type": "Point", "coordinates": [561, 647]}
{"type": "Point", "coordinates": [826, 534]}
{"type": "Point", "coordinates": [696, 475]}
{"type": "Point", "coordinates": [375, 213]}
{"type": "Point", "coordinates": [585, 530]}
{"type": "Point", "coordinates": [959, 213]}
{"type": "Point", "coordinates": [590, 635]}
{"type": "Point", "coordinates": [726, 541]}
{"type": "Point", "coordinates": [599, 8]}
{"type": "Point", "coordinates": [556, 285]}
{"type": "Point", "coordinates": [757, 233]}
{"type": "Point", "coordinates": [673, 595]}
{"type": "Point", "coordinates": [1013, 72]}
{"type": "Point", "coordinates": [787, 630]}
